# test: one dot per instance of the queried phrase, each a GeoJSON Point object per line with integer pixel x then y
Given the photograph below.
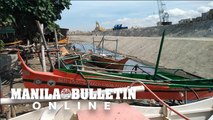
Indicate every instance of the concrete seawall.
{"type": "Point", "coordinates": [194, 55]}
{"type": "Point", "coordinates": [197, 29]}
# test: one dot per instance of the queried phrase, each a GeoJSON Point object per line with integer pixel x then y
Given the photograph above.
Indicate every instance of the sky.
{"type": "Point", "coordinates": [83, 15]}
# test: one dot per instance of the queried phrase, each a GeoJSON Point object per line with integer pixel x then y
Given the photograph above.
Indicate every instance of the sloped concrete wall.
{"type": "Point", "coordinates": [194, 55]}
{"type": "Point", "coordinates": [197, 29]}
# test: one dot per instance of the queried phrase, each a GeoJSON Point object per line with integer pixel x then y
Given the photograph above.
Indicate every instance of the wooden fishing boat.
{"type": "Point", "coordinates": [109, 63]}
{"type": "Point", "coordinates": [61, 41]}
{"type": "Point", "coordinates": [61, 79]}
{"type": "Point", "coordinates": [175, 76]}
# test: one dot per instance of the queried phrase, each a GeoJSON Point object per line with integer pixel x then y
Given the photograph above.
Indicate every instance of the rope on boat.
{"type": "Point", "coordinates": [141, 66]}
{"type": "Point", "coordinates": [114, 63]}
{"type": "Point", "coordinates": [152, 94]}
{"type": "Point", "coordinates": [98, 68]}
{"type": "Point", "coordinates": [194, 92]}
{"type": "Point", "coordinates": [161, 101]}
{"type": "Point", "coordinates": [138, 67]}
{"type": "Point", "coordinates": [151, 82]}
{"type": "Point", "coordinates": [88, 85]}
{"type": "Point", "coordinates": [171, 85]}
{"type": "Point", "coordinates": [131, 80]}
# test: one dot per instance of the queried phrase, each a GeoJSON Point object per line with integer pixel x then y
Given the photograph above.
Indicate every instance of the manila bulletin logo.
{"type": "Point", "coordinates": [39, 94]}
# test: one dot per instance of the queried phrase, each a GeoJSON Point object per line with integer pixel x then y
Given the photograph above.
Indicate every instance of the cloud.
{"type": "Point", "coordinates": [180, 13]}
{"type": "Point", "coordinates": [83, 14]}
{"type": "Point", "coordinates": [175, 14]}
{"type": "Point", "coordinates": [203, 9]}
{"type": "Point", "coordinates": [210, 4]}
{"type": "Point", "coordinates": [150, 20]}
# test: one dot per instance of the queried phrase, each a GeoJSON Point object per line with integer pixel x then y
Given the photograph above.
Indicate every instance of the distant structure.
{"type": "Point", "coordinates": [163, 15]}
{"type": "Point", "coordinates": [204, 17]}
{"type": "Point", "coordinates": [208, 15]}
{"type": "Point", "coordinates": [183, 21]}
{"type": "Point", "coordinates": [98, 27]}
{"type": "Point", "coordinates": [64, 31]}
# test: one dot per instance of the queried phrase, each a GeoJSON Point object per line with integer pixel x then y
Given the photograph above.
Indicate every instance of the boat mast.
{"type": "Point", "coordinates": [159, 55]}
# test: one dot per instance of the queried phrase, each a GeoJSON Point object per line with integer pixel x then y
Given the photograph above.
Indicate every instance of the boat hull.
{"type": "Point", "coordinates": [60, 79]}
{"type": "Point", "coordinates": [108, 63]}
{"type": "Point", "coordinates": [72, 80]}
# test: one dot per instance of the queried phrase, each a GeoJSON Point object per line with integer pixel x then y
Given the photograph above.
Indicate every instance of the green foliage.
{"type": "Point", "coordinates": [1, 44]}
{"type": "Point", "coordinates": [53, 26]}
{"type": "Point", "coordinates": [21, 14]}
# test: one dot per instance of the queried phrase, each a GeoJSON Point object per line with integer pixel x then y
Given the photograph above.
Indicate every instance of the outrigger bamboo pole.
{"type": "Point", "coordinates": [151, 82]}
{"type": "Point", "coordinates": [93, 72]}
{"type": "Point", "coordinates": [56, 45]}
{"type": "Point", "coordinates": [45, 45]}
{"type": "Point", "coordinates": [159, 55]}
{"type": "Point", "coordinates": [104, 69]}
{"type": "Point", "coordinates": [36, 52]}
{"type": "Point", "coordinates": [43, 58]}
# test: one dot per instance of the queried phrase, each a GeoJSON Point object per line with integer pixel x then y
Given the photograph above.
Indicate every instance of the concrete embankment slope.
{"type": "Point", "coordinates": [194, 55]}
{"type": "Point", "coordinates": [197, 29]}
